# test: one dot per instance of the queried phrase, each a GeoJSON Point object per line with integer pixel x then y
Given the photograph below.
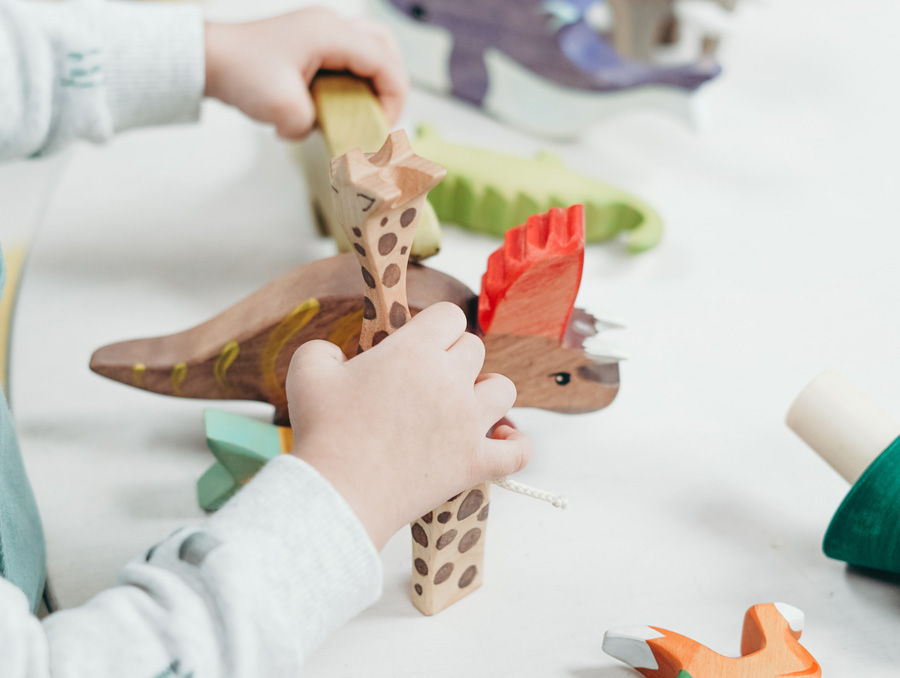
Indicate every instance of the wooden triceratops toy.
{"type": "Point", "coordinates": [525, 315]}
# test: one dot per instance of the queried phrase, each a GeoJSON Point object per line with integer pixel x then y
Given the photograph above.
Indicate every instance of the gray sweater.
{"type": "Point", "coordinates": [252, 590]}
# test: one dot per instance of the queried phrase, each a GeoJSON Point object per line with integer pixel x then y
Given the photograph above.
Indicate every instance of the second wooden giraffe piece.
{"type": "Point", "coordinates": [378, 199]}
{"type": "Point", "coordinates": [770, 648]}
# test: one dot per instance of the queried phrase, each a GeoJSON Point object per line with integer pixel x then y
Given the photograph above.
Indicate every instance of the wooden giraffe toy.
{"type": "Point", "coordinates": [378, 199]}
{"type": "Point", "coordinates": [770, 648]}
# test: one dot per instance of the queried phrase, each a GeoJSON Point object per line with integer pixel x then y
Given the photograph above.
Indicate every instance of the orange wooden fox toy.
{"type": "Point", "coordinates": [770, 648]}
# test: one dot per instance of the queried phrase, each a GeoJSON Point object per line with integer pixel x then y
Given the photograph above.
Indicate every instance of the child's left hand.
{"type": "Point", "coordinates": [265, 67]}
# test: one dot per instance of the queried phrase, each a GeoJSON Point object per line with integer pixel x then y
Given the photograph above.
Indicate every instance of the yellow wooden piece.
{"type": "Point", "coordinates": [179, 374]}
{"type": "Point", "coordinates": [229, 354]}
{"type": "Point", "coordinates": [292, 323]}
{"type": "Point", "coordinates": [345, 329]}
{"type": "Point", "coordinates": [137, 374]}
{"type": "Point", "coordinates": [350, 116]}
{"type": "Point", "coordinates": [286, 436]}
{"type": "Point", "coordinates": [15, 260]}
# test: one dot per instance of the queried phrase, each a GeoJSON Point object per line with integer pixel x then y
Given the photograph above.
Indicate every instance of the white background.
{"type": "Point", "coordinates": [690, 500]}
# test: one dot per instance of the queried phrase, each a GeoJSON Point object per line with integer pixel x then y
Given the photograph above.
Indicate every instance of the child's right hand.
{"type": "Point", "coordinates": [402, 428]}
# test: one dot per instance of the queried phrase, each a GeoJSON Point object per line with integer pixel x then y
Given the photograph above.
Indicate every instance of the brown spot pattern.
{"type": "Point", "coordinates": [370, 281]}
{"type": "Point", "coordinates": [444, 573]}
{"type": "Point", "coordinates": [428, 517]}
{"type": "Point", "coordinates": [391, 275]}
{"type": "Point", "coordinates": [418, 588]}
{"type": "Point", "coordinates": [380, 335]}
{"type": "Point", "coordinates": [419, 535]}
{"type": "Point", "coordinates": [359, 248]}
{"type": "Point", "coordinates": [369, 311]}
{"type": "Point", "coordinates": [398, 315]}
{"type": "Point", "coordinates": [384, 221]}
{"type": "Point", "coordinates": [407, 217]}
{"type": "Point", "coordinates": [446, 539]}
{"type": "Point", "coordinates": [483, 513]}
{"type": "Point", "coordinates": [403, 249]}
{"type": "Point", "coordinates": [444, 517]}
{"type": "Point", "coordinates": [468, 576]}
{"type": "Point", "coordinates": [421, 567]}
{"type": "Point", "coordinates": [454, 497]}
{"type": "Point", "coordinates": [386, 243]}
{"type": "Point", "coordinates": [469, 539]}
{"type": "Point", "coordinates": [470, 504]}
{"type": "Point", "coordinates": [357, 232]}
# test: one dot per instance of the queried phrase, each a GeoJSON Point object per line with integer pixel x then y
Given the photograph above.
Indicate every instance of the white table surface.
{"type": "Point", "coordinates": [690, 500]}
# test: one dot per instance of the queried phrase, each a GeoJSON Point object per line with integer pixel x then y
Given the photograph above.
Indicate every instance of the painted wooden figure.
{"type": "Point", "coordinates": [862, 443]}
{"type": "Point", "coordinates": [770, 648]}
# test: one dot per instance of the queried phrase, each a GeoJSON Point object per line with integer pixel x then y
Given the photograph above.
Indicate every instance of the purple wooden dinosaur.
{"type": "Point", "coordinates": [526, 31]}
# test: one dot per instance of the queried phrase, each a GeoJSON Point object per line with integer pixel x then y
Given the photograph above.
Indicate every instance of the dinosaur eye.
{"type": "Point", "coordinates": [418, 12]}
{"type": "Point", "coordinates": [562, 378]}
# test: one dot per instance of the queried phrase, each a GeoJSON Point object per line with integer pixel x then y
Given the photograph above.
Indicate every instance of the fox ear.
{"type": "Point", "coordinates": [533, 278]}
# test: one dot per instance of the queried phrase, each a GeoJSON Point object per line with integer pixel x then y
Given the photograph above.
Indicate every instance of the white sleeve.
{"type": "Point", "coordinates": [91, 69]}
{"type": "Point", "coordinates": [250, 592]}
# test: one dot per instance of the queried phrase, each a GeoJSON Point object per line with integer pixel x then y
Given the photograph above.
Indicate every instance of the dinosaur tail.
{"type": "Point", "coordinates": [162, 365]}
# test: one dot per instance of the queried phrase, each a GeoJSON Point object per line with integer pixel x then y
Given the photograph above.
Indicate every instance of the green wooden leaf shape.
{"type": "Point", "coordinates": [491, 192]}
{"type": "Point", "coordinates": [865, 531]}
{"type": "Point", "coordinates": [242, 447]}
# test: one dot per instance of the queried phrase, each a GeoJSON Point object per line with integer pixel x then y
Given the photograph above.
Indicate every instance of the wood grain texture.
{"type": "Point", "coordinates": [865, 530]}
{"type": "Point", "coordinates": [770, 648]}
{"type": "Point", "coordinates": [244, 352]}
{"type": "Point", "coordinates": [378, 200]}
{"type": "Point", "coordinates": [448, 550]}
{"type": "Point", "coordinates": [267, 328]}
{"type": "Point", "coordinates": [350, 116]}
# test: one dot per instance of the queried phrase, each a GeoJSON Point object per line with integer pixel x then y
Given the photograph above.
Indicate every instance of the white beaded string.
{"type": "Point", "coordinates": [554, 500]}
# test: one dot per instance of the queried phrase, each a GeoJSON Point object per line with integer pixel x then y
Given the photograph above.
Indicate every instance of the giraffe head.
{"type": "Point", "coordinates": [533, 334]}
{"type": "Point", "coordinates": [380, 183]}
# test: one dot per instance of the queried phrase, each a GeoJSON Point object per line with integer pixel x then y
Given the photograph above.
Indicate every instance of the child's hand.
{"type": "Point", "coordinates": [265, 67]}
{"type": "Point", "coordinates": [402, 428]}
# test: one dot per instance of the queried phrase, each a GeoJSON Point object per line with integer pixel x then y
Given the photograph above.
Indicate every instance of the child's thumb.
{"type": "Point", "coordinates": [294, 113]}
{"type": "Point", "coordinates": [507, 453]}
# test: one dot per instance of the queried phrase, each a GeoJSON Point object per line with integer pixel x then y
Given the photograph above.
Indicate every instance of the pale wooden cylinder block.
{"type": "Point", "coordinates": [842, 424]}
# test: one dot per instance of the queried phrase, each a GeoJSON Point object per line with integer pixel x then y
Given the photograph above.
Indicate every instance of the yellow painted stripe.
{"type": "Point", "coordinates": [15, 261]}
{"type": "Point", "coordinates": [346, 328]}
{"type": "Point", "coordinates": [292, 323]}
{"type": "Point", "coordinates": [223, 362]}
{"type": "Point", "coordinates": [287, 438]}
{"type": "Point", "coordinates": [137, 374]}
{"type": "Point", "coordinates": [179, 372]}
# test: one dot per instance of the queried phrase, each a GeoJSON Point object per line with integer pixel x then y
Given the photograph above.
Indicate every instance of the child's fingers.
{"type": "Point", "coordinates": [317, 352]}
{"type": "Point", "coordinates": [438, 326]}
{"type": "Point", "coordinates": [468, 352]}
{"type": "Point", "coordinates": [292, 113]}
{"type": "Point", "coordinates": [364, 54]}
{"type": "Point", "coordinates": [495, 395]}
{"type": "Point", "coordinates": [508, 453]}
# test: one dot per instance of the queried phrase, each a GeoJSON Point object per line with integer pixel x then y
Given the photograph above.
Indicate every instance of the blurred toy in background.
{"type": "Point", "coordinates": [770, 648]}
{"type": "Point", "coordinates": [552, 67]}
{"type": "Point", "coordinates": [484, 191]}
{"type": "Point", "coordinates": [862, 443]}
{"type": "Point", "coordinates": [350, 116]}
{"type": "Point", "coordinates": [490, 192]}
